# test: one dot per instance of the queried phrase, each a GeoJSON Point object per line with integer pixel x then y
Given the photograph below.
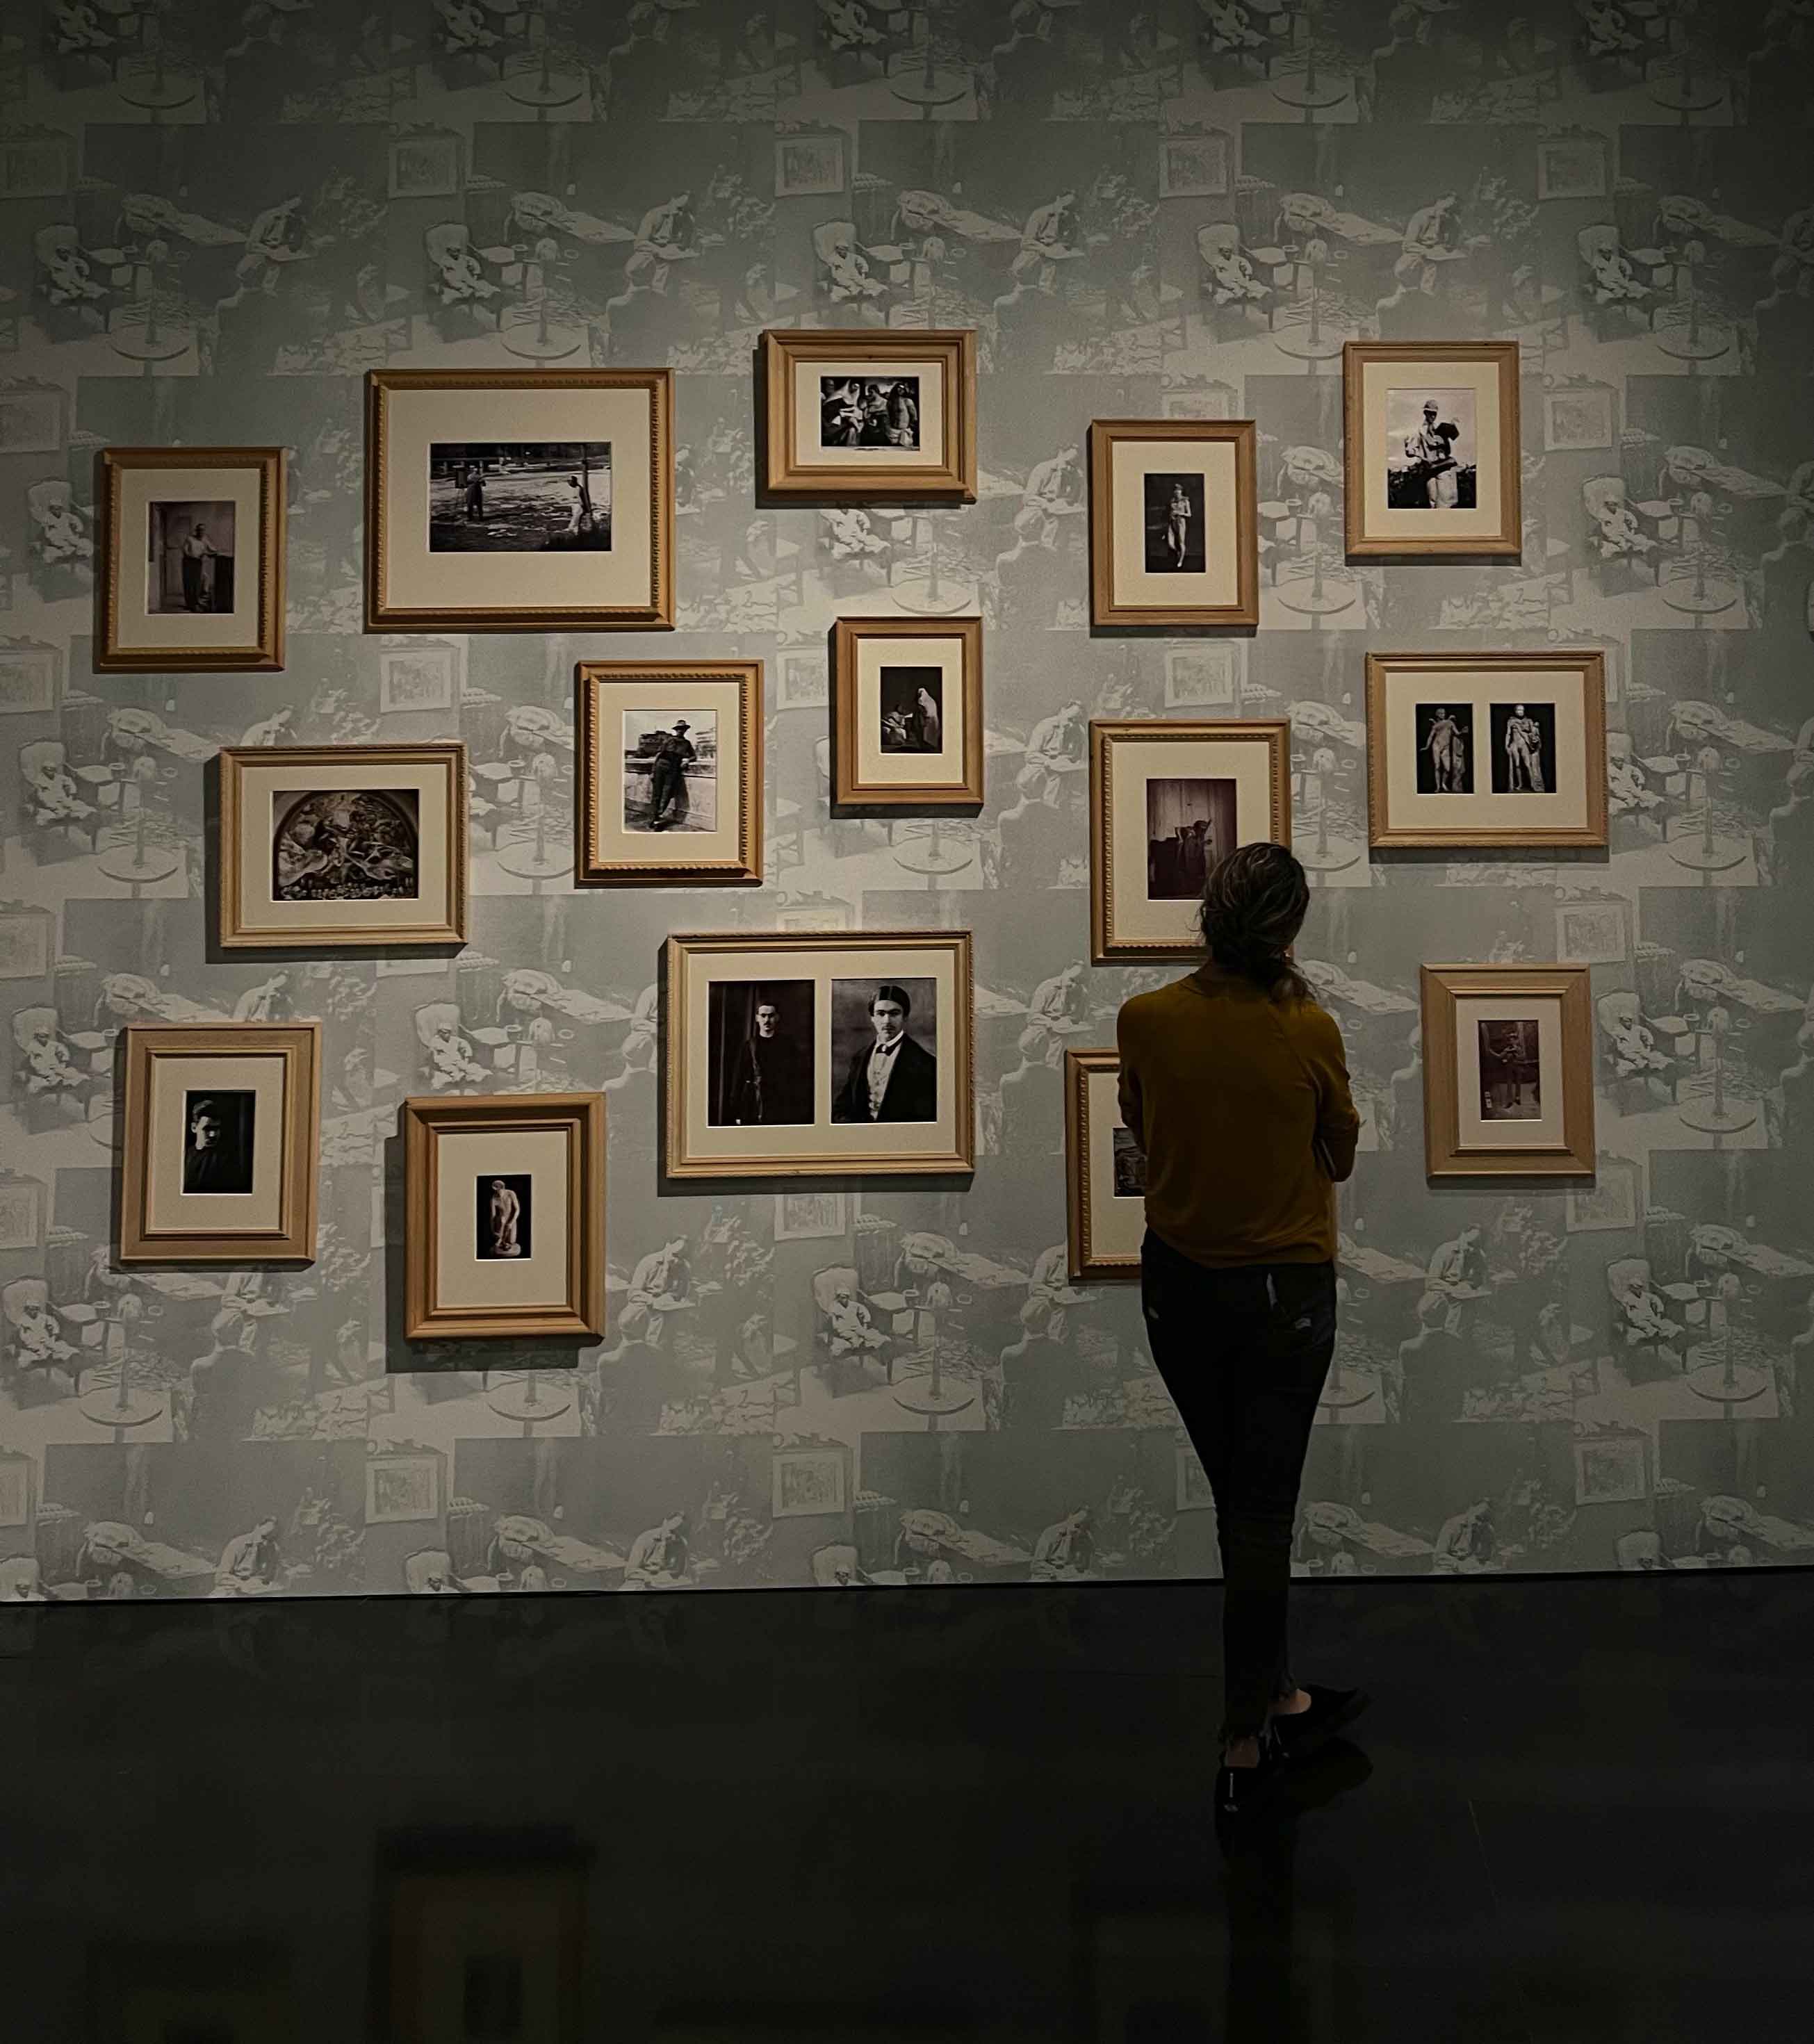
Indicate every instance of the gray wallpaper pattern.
{"type": "Point", "coordinates": [215, 217]}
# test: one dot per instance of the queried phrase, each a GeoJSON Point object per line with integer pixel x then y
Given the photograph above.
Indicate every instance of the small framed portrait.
{"type": "Point", "coordinates": [1611, 1469]}
{"type": "Point", "coordinates": [400, 1489]}
{"type": "Point", "coordinates": [1105, 1170]}
{"type": "Point", "coordinates": [809, 1483]}
{"type": "Point", "coordinates": [1430, 449]}
{"type": "Point", "coordinates": [858, 414]}
{"type": "Point", "coordinates": [1167, 800]}
{"type": "Point", "coordinates": [819, 1054]}
{"type": "Point", "coordinates": [1592, 932]}
{"type": "Point", "coordinates": [670, 771]}
{"type": "Point", "coordinates": [1578, 419]}
{"type": "Point", "coordinates": [24, 1209]}
{"type": "Point", "coordinates": [809, 166]}
{"type": "Point", "coordinates": [426, 162]}
{"type": "Point", "coordinates": [505, 1233]}
{"type": "Point", "coordinates": [31, 677]}
{"type": "Point", "coordinates": [1614, 1201]}
{"type": "Point", "coordinates": [1508, 1071]}
{"type": "Point", "coordinates": [191, 578]}
{"type": "Point", "coordinates": [334, 845]}
{"type": "Point", "coordinates": [522, 500]}
{"type": "Point", "coordinates": [1572, 166]}
{"type": "Point", "coordinates": [1194, 166]}
{"type": "Point", "coordinates": [1486, 748]}
{"type": "Point", "coordinates": [907, 734]}
{"type": "Point", "coordinates": [420, 680]}
{"type": "Point", "coordinates": [32, 416]}
{"type": "Point", "coordinates": [222, 1129]}
{"type": "Point", "coordinates": [1173, 528]}
{"type": "Point", "coordinates": [26, 936]}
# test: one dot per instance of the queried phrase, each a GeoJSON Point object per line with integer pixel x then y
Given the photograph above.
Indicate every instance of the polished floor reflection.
{"type": "Point", "coordinates": [1578, 1810]}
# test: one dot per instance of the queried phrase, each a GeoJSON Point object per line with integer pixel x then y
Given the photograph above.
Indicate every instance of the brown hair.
{"type": "Point", "coordinates": [1253, 906]}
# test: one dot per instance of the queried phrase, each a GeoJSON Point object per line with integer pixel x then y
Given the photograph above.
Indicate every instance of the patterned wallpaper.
{"type": "Point", "coordinates": [216, 217]}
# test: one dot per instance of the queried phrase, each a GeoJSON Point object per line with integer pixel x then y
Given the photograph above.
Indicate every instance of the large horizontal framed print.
{"type": "Point", "coordinates": [191, 578]}
{"type": "Point", "coordinates": [1167, 800]}
{"type": "Point", "coordinates": [819, 1054]}
{"type": "Point", "coordinates": [1508, 1071]}
{"type": "Point", "coordinates": [523, 500]}
{"type": "Point", "coordinates": [907, 734]}
{"type": "Point", "coordinates": [859, 413]}
{"type": "Point", "coordinates": [1173, 526]}
{"type": "Point", "coordinates": [1105, 1170]}
{"type": "Point", "coordinates": [222, 1135]}
{"type": "Point", "coordinates": [1486, 748]}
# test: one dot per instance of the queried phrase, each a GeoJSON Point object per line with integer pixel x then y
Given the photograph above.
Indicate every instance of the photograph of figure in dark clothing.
{"type": "Point", "coordinates": [1445, 748]}
{"type": "Point", "coordinates": [913, 710]}
{"type": "Point", "coordinates": [1190, 827]}
{"type": "Point", "coordinates": [760, 1075]}
{"type": "Point", "coordinates": [670, 770]}
{"type": "Point", "coordinates": [869, 411]}
{"type": "Point", "coordinates": [884, 1051]}
{"type": "Point", "coordinates": [217, 1141]}
{"type": "Point", "coordinates": [1511, 1074]}
{"type": "Point", "coordinates": [190, 558]}
{"type": "Point", "coordinates": [1175, 541]}
{"type": "Point", "coordinates": [1430, 450]}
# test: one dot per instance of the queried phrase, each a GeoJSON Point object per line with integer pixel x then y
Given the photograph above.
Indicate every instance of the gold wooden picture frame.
{"type": "Point", "coordinates": [820, 383]}
{"type": "Point", "coordinates": [1174, 543]}
{"type": "Point", "coordinates": [1486, 749]}
{"type": "Point", "coordinates": [670, 772]}
{"type": "Point", "coordinates": [576, 542]}
{"type": "Point", "coordinates": [210, 539]}
{"type": "Point", "coordinates": [1508, 1071]}
{"type": "Point", "coordinates": [1451, 412]}
{"type": "Point", "coordinates": [924, 752]}
{"type": "Point", "coordinates": [1103, 1163]}
{"type": "Point", "coordinates": [504, 1224]}
{"type": "Point", "coordinates": [220, 1153]}
{"type": "Point", "coordinates": [357, 818]}
{"type": "Point", "coordinates": [1233, 781]}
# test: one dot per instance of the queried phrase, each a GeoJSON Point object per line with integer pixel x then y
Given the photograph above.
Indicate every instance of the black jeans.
{"type": "Point", "coordinates": [1244, 1352]}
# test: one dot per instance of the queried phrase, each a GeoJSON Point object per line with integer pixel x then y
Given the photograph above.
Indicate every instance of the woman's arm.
{"type": "Point", "coordinates": [1338, 1123]}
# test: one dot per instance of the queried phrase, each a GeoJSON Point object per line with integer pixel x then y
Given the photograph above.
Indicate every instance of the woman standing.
{"type": "Point", "coordinates": [1234, 1080]}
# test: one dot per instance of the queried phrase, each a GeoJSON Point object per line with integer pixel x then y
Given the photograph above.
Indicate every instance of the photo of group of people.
{"type": "Point", "coordinates": [880, 1063]}
{"type": "Point", "coordinates": [869, 411]}
{"type": "Point", "coordinates": [913, 710]}
{"type": "Point", "coordinates": [349, 844]}
{"type": "Point", "coordinates": [521, 496]}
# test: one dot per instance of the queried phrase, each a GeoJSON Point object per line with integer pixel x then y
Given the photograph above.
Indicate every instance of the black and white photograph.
{"type": "Point", "coordinates": [191, 557]}
{"type": "Point", "coordinates": [346, 844]}
{"type": "Point", "coordinates": [761, 1054]}
{"type": "Point", "coordinates": [913, 710]}
{"type": "Point", "coordinates": [519, 496]}
{"type": "Point", "coordinates": [503, 1216]}
{"type": "Point", "coordinates": [217, 1140]}
{"type": "Point", "coordinates": [1190, 827]}
{"type": "Point", "coordinates": [1130, 1165]}
{"type": "Point", "coordinates": [1445, 748]}
{"type": "Point", "coordinates": [808, 166]}
{"type": "Point", "coordinates": [670, 770]}
{"type": "Point", "coordinates": [1173, 506]}
{"type": "Point", "coordinates": [884, 1051]}
{"type": "Point", "coordinates": [1524, 748]}
{"type": "Point", "coordinates": [1511, 1085]}
{"type": "Point", "coordinates": [1431, 450]}
{"type": "Point", "coordinates": [869, 411]}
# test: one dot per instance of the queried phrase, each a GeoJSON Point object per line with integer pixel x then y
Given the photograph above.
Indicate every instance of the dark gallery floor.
{"type": "Point", "coordinates": [1577, 1810]}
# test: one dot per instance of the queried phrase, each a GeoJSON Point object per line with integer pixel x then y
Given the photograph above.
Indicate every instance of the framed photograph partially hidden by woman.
{"type": "Point", "coordinates": [1105, 1170]}
{"type": "Point", "coordinates": [327, 846]}
{"type": "Point", "coordinates": [908, 733]}
{"type": "Point", "coordinates": [505, 1233]}
{"type": "Point", "coordinates": [1174, 527]}
{"type": "Point", "coordinates": [519, 500]}
{"type": "Point", "coordinates": [221, 1134]}
{"type": "Point", "coordinates": [1508, 1071]}
{"type": "Point", "coordinates": [191, 578]}
{"type": "Point", "coordinates": [1430, 448]}
{"type": "Point", "coordinates": [1486, 748]}
{"type": "Point", "coordinates": [819, 1054]}
{"type": "Point", "coordinates": [1168, 800]}
{"type": "Point", "coordinates": [669, 771]}
{"type": "Point", "coordinates": [858, 414]}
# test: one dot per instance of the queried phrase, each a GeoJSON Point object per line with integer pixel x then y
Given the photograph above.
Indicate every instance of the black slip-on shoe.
{"type": "Point", "coordinates": [1330, 1710]}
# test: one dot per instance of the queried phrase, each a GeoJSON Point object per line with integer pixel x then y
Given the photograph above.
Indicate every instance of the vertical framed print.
{"type": "Point", "coordinates": [1105, 1170]}
{"type": "Point", "coordinates": [862, 414]}
{"type": "Point", "coordinates": [1508, 1071]}
{"type": "Point", "coordinates": [1430, 449]}
{"type": "Point", "coordinates": [1166, 801]}
{"type": "Point", "coordinates": [908, 731]}
{"type": "Point", "coordinates": [519, 500]}
{"type": "Point", "coordinates": [191, 578]}
{"type": "Point", "coordinates": [1174, 522]}
{"type": "Point", "coordinates": [222, 1133]}
{"type": "Point", "coordinates": [505, 1227]}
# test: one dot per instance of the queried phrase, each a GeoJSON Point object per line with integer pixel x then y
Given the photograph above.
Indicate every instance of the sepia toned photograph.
{"type": "Point", "coordinates": [671, 771]}
{"type": "Point", "coordinates": [503, 1217]}
{"type": "Point", "coordinates": [190, 564]}
{"type": "Point", "coordinates": [352, 844]}
{"type": "Point", "coordinates": [1511, 1084]}
{"type": "Point", "coordinates": [762, 1048]}
{"type": "Point", "coordinates": [1174, 527]}
{"type": "Point", "coordinates": [869, 411]}
{"type": "Point", "coordinates": [1191, 829]}
{"type": "Point", "coordinates": [520, 497]}
{"type": "Point", "coordinates": [1445, 748]}
{"type": "Point", "coordinates": [217, 1141]}
{"type": "Point", "coordinates": [913, 710]}
{"type": "Point", "coordinates": [885, 1045]}
{"type": "Point", "coordinates": [1524, 748]}
{"type": "Point", "coordinates": [1430, 450]}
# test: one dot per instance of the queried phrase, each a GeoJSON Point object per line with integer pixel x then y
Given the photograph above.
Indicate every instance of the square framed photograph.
{"type": "Point", "coordinates": [1486, 748]}
{"type": "Point", "coordinates": [426, 163]}
{"type": "Point", "coordinates": [818, 1215]}
{"type": "Point", "coordinates": [1205, 675]}
{"type": "Point", "coordinates": [1611, 1469]}
{"type": "Point", "coordinates": [1166, 801]}
{"type": "Point", "coordinates": [1508, 1071]}
{"type": "Point", "coordinates": [31, 677]}
{"type": "Point", "coordinates": [1578, 419]}
{"type": "Point", "coordinates": [1572, 166]}
{"type": "Point", "coordinates": [505, 1233]}
{"type": "Point", "coordinates": [1173, 525]}
{"type": "Point", "coordinates": [1592, 932]}
{"type": "Point", "coordinates": [857, 415]}
{"type": "Point", "coordinates": [191, 578]}
{"type": "Point", "coordinates": [523, 500]}
{"type": "Point", "coordinates": [809, 1483]}
{"type": "Point", "coordinates": [805, 682]}
{"type": "Point", "coordinates": [1194, 166]}
{"type": "Point", "coordinates": [416, 681]}
{"type": "Point", "coordinates": [819, 1055]}
{"type": "Point", "coordinates": [401, 1489]}
{"type": "Point", "coordinates": [222, 1133]}
{"type": "Point", "coordinates": [1105, 1168]}
{"type": "Point", "coordinates": [1615, 1200]}
{"type": "Point", "coordinates": [908, 731]}
{"type": "Point", "coordinates": [32, 417]}
{"type": "Point", "coordinates": [335, 845]}
{"type": "Point", "coordinates": [669, 771]}
{"type": "Point", "coordinates": [809, 166]}
{"type": "Point", "coordinates": [1430, 449]}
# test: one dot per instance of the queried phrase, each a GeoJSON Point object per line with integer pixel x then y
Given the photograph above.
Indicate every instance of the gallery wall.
{"type": "Point", "coordinates": [214, 221]}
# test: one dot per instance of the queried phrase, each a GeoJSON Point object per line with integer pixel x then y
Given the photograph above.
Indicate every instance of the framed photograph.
{"type": "Point", "coordinates": [1615, 1200]}
{"type": "Point", "coordinates": [809, 166]}
{"type": "Point", "coordinates": [1166, 801]}
{"type": "Point", "coordinates": [819, 1054]}
{"type": "Point", "coordinates": [1430, 449]}
{"type": "Point", "coordinates": [1572, 166]}
{"type": "Point", "coordinates": [1486, 748]}
{"type": "Point", "coordinates": [1508, 1071]}
{"type": "Point", "coordinates": [1105, 1168]}
{"type": "Point", "coordinates": [1174, 529]}
{"type": "Point", "coordinates": [222, 1130]}
{"type": "Point", "coordinates": [24, 1205]}
{"type": "Point", "coordinates": [669, 771]}
{"type": "Point", "coordinates": [414, 681]}
{"type": "Point", "coordinates": [1611, 1469]}
{"type": "Point", "coordinates": [908, 733]}
{"type": "Point", "coordinates": [519, 500]}
{"type": "Point", "coordinates": [808, 1482]}
{"type": "Point", "coordinates": [191, 578]}
{"type": "Point", "coordinates": [31, 417]}
{"type": "Point", "coordinates": [400, 1489]}
{"type": "Point", "coordinates": [334, 845]}
{"type": "Point", "coordinates": [31, 676]}
{"type": "Point", "coordinates": [25, 943]}
{"type": "Point", "coordinates": [861, 415]}
{"type": "Point", "coordinates": [1194, 166]}
{"type": "Point", "coordinates": [820, 1216]}
{"type": "Point", "coordinates": [1578, 419]}
{"type": "Point", "coordinates": [426, 162]}
{"type": "Point", "coordinates": [1591, 932]}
